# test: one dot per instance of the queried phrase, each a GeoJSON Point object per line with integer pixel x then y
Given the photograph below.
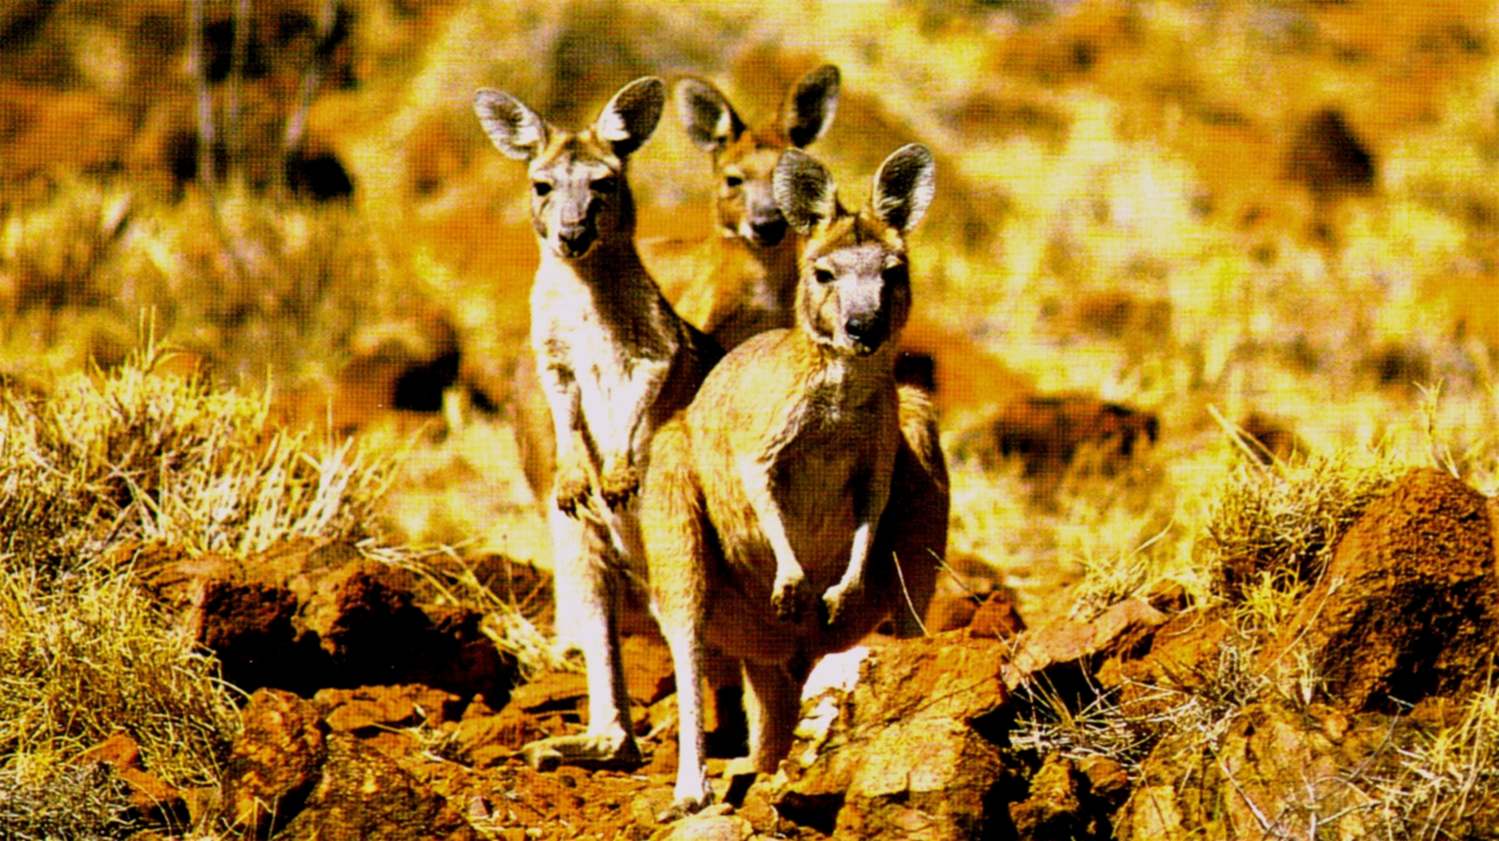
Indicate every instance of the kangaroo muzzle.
{"type": "Point", "coordinates": [763, 224]}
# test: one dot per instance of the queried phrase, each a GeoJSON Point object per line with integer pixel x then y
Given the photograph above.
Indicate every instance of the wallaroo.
{"type": "Point", "coordinates": [741, 278]}
{"type": "Point", "coordinates": [762, 510]}
{"type": "Point", "coordinates": [614, 362]}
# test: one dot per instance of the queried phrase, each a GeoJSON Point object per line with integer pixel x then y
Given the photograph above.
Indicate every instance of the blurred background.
{"type": "Point", "coordinates": [1279, 216]}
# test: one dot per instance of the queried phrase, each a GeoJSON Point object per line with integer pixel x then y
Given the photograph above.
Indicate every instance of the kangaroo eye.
{"type": "Point", "coordinates": [732, 181]}
{"type": "Point", "coordinates": [822, 276]}
{"type": "Point", "coordinates": [605, 185]}
{"type": "Point", "coordinates": [540, 188]}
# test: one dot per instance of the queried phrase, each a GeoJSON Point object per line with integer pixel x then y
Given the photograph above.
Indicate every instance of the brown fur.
{"type": "Point", "coordinates": [740, 279]}
{"type": "Point", "coordinates": [613, 360]}
{"type": "Point", "coordinates": [760, 489]}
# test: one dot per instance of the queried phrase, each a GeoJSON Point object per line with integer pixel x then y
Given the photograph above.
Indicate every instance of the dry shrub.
{"type": "Point", "coordinates": [104, 461]}
{"type": "Point", "coordinates": [130, 455]}
{"type": "Point", "coordinates": [1281, 523]}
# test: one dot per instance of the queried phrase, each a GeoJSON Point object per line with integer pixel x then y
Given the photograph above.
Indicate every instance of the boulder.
{"type": "Point", "coordinates": [1409, 604]}
{"type": "Point", "coordinates": [1063, 657]}
{"type": "Point", "coordinates": [1047, 432]}
{"type": "Point", "coordinates": [371, 708]}
{"type": "Point", "coordinates": [913, 748]}
{"type": "Point", "coordinates": [306, 615]}
{"type": "Point", "coordinates": [361, 793]}
{"type": "Point", "coordinates": [1274, 773]}
{"type": "Point", "coordinates": [151, 797]}
{"type": "Point", "coordinates": [1061, 804]}
{"type": "Point", "coordinates": [1182, 656]}
{"type": "Point", "coordinates": [274, 763]}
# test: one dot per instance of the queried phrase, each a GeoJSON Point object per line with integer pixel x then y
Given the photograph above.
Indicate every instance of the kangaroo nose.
{"type": "Point", "coordinates": [769, 231]}
{"type": "Point", "coordinates": [865, 329]}
{"type": "Point", "coordinates": [575, 240]}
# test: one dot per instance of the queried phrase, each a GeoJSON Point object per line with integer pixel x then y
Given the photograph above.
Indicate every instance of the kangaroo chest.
{"type": "Point", "coordinates": [600, 343]}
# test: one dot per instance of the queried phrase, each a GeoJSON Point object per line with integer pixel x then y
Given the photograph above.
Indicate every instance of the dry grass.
{"type": "Point", "coordinates": [101, 463]}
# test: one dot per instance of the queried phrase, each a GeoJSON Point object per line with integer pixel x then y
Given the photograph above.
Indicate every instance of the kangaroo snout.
{"type": "Point", "coordinates": [575, 240]}
{"type": "Point", "coordinates": [768, 231]}
{"type": "Point", "coordinates": [763, 223]}
{"type": "Point", "coordinates": [867, 331]}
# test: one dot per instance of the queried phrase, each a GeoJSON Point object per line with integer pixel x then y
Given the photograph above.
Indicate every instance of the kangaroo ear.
{"type": "Point", "coordinates": [710, 120]}
{"type": "Point", "coordinates": [804, 190]}
{"type": "Point", "coordinates": [630, 117]}
{"type": "Point", "coordinates": [514, 129]}
{"type": "Point", "coordinates": [811, 105]}
{"type": "Point", "coordinates": [904, 186]}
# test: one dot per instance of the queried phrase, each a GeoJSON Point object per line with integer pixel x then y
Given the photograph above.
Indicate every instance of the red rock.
{"type": "Point", "coordinates": [363, 794]}
{"type": "Point", "coordinates": [275, 762]}
{"type": "Point", "coordinates": [1121, 630]}
{"type": "Point", "coordinates": [910, 746]}
{"type": "Point", "coordinates": [1409, 604]}
{"type": "Point", "coordinates": [996, 617]}
{"type": "Point", "coordinates": [150, 795]}
{"type": "Point", "coordinates": [1049, 431]}
{"type": "Point", "coordinates": [370, 707]}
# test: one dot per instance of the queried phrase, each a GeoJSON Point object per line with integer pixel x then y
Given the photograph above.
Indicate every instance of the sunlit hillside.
{"type": "Point", "coordinates": [1272, 215]}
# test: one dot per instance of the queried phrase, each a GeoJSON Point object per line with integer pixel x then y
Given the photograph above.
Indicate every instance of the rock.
{"type": "Point", "coordinates": [372, 707]}
{"type": "Point", "coordinates": [1409, 604]}
{"type": "Point", "coordinates": [486, 740]}
{"type": "Point", "coordinates": [967, 583]}
{"type": "Point", "coordinates": [712, 824]}
{"type": "Point", "coordinates": [403, 365]}
{"type": "Point", "coordinates": [363, 794]}
{"type": "Point", "coordinates": [150, 796]}
{"type": "Point", "coordinates": [1117, 314]}
{"type": "Point", "coordinates": [1269, 439]}
{"type": "Point", "coordinates": [996, 617]}
{"type": "Point", "coordinates": [1273, 774]}
{"type": "Point", "coordinates": [1182, 656]}
{"type": "Point", "coordinates": [366, 617]}
{"type": "Point", "coordinates": [649, 672]}
{"type": "Point", "coordinates": [250, 627]}
{"type": "Point", "coordinates": [274, 763]}
{"type": "Point", "coordinates": [1328, 158]}
{"type": "Point", "coordinates": [912, 748]}
{"type": "Point", "coordinates": [1049, 431]}
{"type": "Point", "coordinates": [306, 615]}
{"type": "Point", "coordinates": [1066, 654]}
{"type": "Point", "coordinates": [1060, 804]}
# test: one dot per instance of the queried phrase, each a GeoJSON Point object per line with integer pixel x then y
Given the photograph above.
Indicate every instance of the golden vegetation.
{"type": "Point", "coordinates": [1129, 205]}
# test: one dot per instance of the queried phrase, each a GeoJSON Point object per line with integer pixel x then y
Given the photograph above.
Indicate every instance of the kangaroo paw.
{"type": "Point", "coordinates": [789, 598]}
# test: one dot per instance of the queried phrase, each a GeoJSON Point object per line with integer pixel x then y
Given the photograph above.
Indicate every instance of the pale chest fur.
{"type": "Point", "coordinates": [597, 342]}
{"type": "Point", "coordinates": [589, 335]}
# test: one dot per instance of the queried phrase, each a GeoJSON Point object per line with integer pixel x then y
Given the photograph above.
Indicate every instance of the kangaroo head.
{"type": "Point", "coordinates": [854, 290]}
{"type": "Point", "coordinates": [744, 159]}
{"type": "Point", "coordinates": [579, 193]}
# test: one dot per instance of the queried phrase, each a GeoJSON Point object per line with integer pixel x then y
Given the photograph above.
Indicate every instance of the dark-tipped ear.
{"type": "Point", "coordinates": [804, 190]}
{"type": "Point", "coordinates": [904, 186]}
{"type": "Point", "coordinates": [631, 115]}
{"type": "Point", "coordinates": [514, 129]}
{"type": "Point", "coordinates": [710, 120]}
{"type": "Point", "coordinates": [811, 105]}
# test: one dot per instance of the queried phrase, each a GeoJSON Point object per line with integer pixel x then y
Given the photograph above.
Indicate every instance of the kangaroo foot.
{"type": "Point", "coordinates": [612, 751]}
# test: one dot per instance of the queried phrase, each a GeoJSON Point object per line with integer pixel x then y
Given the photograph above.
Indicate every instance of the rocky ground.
{"type": "Point", "coordinates": [374, 715]}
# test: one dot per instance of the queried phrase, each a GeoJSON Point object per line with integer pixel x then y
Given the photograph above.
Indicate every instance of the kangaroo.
{"type": "Point", "coordinates": [613, 360]}
{"type": "Point", "coordinates": [771, 484]}
{"type": "Point", "coordinates": [741, 278]}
